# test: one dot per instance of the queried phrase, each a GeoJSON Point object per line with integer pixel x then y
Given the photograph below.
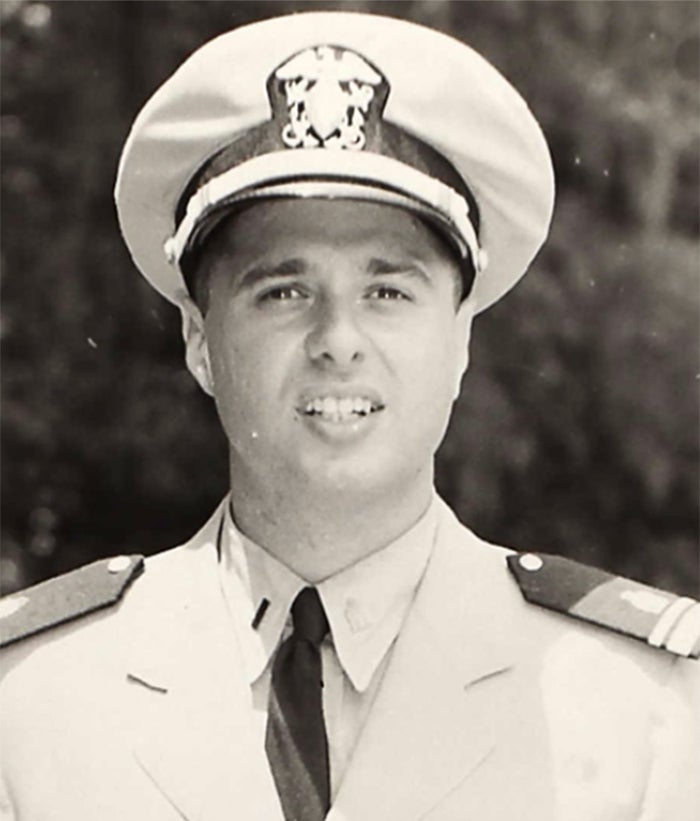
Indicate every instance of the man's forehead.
{"type": "Point", "coordinates": [295, 229]}
{"type": "Point", "coordinates": [301, 218]}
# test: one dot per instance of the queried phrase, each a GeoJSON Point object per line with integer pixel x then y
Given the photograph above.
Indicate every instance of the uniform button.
{"type": "Point", "coordinates": [530, 562]}
{"type": "Point", "coordinates": [118, 563]}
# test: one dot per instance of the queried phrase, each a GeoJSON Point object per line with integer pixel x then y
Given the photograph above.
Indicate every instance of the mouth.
{"type": "Point", "coordinates": [340, 408]}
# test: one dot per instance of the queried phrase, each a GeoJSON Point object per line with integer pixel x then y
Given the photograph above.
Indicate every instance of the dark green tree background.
{"type": "Point", "coordinates": [577, 430]}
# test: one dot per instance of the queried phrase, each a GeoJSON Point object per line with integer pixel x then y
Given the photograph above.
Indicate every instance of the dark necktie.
{"type": "Point", "coordinates": [295, 741]}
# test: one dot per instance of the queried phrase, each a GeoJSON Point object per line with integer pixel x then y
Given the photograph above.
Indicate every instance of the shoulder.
{"type": "Point", "coordinates": [83, 622]}
{"type": "Point", "coordinates": [552, 596]}
{"type": "Point", "coordinates": [659, 618]}
{"type": "Point", "coordinates": [121, 588]}
{"type": "Point", "coordinates": [573, 643]}
{"type": "Point", "coordinates": [67, 598]}
{"type": "Point", "coordinates": [52, 677]}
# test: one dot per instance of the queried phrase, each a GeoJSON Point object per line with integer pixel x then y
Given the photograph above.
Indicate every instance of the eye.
{"type": "Point", "coordinates": [281, 293]}
{"type": "Point", "coordinates": [389, 293]}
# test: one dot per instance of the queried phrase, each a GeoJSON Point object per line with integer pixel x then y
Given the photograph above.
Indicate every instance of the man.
{"type": "Point", "coordinates": [334, 643]}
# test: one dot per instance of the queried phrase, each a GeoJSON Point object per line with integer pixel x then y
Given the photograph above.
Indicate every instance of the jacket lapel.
{"type": "Point", "coordinates": [448, 690]}
{"type": "Point", "coordinates": [195, 726]}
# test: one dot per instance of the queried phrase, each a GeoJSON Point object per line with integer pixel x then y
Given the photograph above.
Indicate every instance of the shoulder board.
{"type": "Point", "coordinates": [66, 597]}
{"type": "Point", "coordinates": [654, 616]}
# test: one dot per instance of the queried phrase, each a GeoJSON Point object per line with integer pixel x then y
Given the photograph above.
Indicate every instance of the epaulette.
{"type": "Point", "coordinates": [654, 616]}
{"type": "Point", "coordinates": [67, 597]}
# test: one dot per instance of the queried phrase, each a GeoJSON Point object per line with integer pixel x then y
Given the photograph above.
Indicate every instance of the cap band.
{"type": "Point", "coordinates": [320, 170]}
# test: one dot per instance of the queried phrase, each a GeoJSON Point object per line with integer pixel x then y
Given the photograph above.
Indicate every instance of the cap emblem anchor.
{"type": "Point", "coordinates": [328, 91]}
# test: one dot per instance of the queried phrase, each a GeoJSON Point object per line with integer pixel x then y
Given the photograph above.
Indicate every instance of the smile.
{"type": "Point", "coordinates": [340, 409]}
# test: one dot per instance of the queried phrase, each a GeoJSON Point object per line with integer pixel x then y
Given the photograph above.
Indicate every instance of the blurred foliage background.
{"type": "Point", "coordinates": [577, 430]}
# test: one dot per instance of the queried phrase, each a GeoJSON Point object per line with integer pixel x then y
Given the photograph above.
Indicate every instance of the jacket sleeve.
{"type": "Point", "coordinates": [673, 789]}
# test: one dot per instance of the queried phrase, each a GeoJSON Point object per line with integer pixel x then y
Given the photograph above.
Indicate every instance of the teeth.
{"type": "Point", "coordinates": [335, 409]}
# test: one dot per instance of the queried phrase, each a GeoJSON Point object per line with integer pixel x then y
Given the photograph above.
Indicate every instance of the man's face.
{"type": "Point", "coordinates": [333, 343]}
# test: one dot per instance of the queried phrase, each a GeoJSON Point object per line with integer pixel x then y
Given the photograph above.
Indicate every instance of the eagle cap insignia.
{"type": "Point", "coordinates": [328, 91]}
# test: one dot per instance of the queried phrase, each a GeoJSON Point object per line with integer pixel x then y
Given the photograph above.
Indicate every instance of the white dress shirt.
{"type": "Point", "coordinates": [365, 604]}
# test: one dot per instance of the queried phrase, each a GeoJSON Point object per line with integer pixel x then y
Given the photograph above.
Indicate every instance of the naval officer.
{"type": "Point", "coordinates": [329, 199]}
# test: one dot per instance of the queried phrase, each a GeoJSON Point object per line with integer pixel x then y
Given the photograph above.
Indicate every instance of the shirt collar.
{"type": "Point", "coordinates": [365, 603]}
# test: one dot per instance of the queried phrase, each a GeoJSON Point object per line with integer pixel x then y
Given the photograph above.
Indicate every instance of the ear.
{"type": "Point", "coordinates": [196, 348]}
{"type": "Point", "coordinates": [465, 318]}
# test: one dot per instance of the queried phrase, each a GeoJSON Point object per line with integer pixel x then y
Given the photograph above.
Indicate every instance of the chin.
{"type": "Point", "coordinates": [365, 477]}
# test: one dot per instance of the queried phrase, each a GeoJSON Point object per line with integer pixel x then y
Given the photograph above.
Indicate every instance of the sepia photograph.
{"type": "Point", "coordinates": [350, 410]}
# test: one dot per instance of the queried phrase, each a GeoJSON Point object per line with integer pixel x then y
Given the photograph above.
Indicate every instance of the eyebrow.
{"type": "Point", "coordinates": [383, 267]}
{"type": "Point", "coordinates": [259, 273]}
{"type": "Point", "coordinates": [296, 266]}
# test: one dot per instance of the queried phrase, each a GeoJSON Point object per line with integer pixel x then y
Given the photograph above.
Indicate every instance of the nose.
{"type": "Point", "coordinates": [335, 338]}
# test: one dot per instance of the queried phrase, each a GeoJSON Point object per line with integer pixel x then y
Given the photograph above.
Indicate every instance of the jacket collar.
{"type": "Point", "coordinates": [365, 603]}
{"type": "Point", "coordinates": [446, 700]}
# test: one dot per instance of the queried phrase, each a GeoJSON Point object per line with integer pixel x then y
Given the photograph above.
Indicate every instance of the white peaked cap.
{"type": "Point", "coordinates": [338, 105]}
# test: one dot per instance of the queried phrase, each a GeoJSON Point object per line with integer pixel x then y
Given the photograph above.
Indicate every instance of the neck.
{"type": "Point", "coordinates": [317, 532]}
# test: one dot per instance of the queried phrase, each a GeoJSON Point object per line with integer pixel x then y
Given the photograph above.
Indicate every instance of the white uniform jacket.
{"type": "Point", "coordinates": [491, 709]}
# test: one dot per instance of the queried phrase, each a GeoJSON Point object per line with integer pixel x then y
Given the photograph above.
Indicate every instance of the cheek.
{"type": "Point", "coordinates": [232, 345]}
{"type": "Point", "coordinates": [249, 370]}
{"type": "Point", "coordinates": [432, 354]}
{"type": "Point", "coordinates": [233, 373]}
{"type": "Point", "coordinates": [434, 396]}
{"type": "Point", "coordinates": [429, 363]}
